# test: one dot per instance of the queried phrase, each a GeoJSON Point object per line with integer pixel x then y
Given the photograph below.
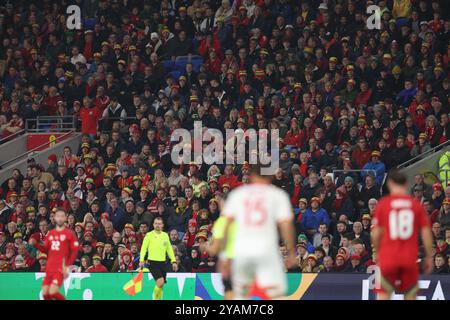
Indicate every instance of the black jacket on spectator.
{"type": "Point", "coordinates": [397, 157]}
{"type": "Point", "coordinates": [367, 194]}
{"type": "Point", "coordinates": [144, 217]}
{"type": "Point", "coordinates": [308, 192]}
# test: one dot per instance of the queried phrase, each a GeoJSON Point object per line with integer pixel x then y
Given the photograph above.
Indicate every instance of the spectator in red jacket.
{"type": "Point", "coordinates": [208, 43]}
{"type": "Point", "coordinates": [97, 265]}
{"type": "Point", "coordinates": [293, 137]}
{"type": "Point", "coordinates": [361, 154]}
{"type": "Point", "coordinates": [189, 237]}
{"type": "Point", "coordinates": [213, 63]}
{"type": "Point", "coordinates": [89, 116]}
{"type": "Point", "coordinates": [23, 260]}
{"type": "Point", "coordinates": [308, 131]}
{"type": "Point", "coordinates": [228, 177]}
{"type": "Point", "coordinates": [50, 102]}
{"type": "Point", "coordinates": [364, 96]}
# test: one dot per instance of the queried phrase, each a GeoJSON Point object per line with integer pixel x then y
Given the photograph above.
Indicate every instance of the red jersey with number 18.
{"type": "Point", "coordinates": [62, 248]}
{"type": "Point", "coordinates": [401, 218]}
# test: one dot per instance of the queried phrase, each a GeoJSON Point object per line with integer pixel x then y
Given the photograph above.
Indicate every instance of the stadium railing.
{"type": "Point", "coordinates": [423, 155]}
{"type": "Point", "coordinates": [373, 172]}
{"type": "Point", "coordinates": [353, 170]}
{"type": "Point", "coordinates": [12, 136]}
{"type": "Point", "coordinates": [36, 149]}
{"type": "Point", "coordinates": [51, 124]}
{"type": "Point", "coordinates": [178, 66]}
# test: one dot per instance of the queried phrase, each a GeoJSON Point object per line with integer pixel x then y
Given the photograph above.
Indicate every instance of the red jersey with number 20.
{"type": "Point", "coordinates": [62, 248]}
{"type": "Point", "coordinates": [401, 218]}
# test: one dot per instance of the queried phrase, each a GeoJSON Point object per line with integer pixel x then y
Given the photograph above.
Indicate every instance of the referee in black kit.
{"type": "Point", "coordinates": [157, 247]}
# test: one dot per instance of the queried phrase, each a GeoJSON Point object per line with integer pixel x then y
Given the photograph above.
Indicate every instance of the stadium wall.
{"type": "Point", "coordinates": [426, 166]}
{"type": "Point", "coordinates": [208, 286]}
{"type": "Point", "coordinates": [13, 148]}
{"type": "Point", "coordinates": [41, 157]}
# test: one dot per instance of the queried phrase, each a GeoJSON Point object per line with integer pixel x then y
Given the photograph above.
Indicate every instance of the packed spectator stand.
{"type": "Point", "coordinates": [350, 103]}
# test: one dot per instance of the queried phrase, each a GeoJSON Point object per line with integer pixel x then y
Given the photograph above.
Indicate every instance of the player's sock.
{"type": "Point", "coordinates": [57, 296]}
{"type": "Point", "coordinates": [46, 297]}
{"type": "Point", "coordinates": [161, 291]}
{"type": "Point", "coordinates": [157, 293]}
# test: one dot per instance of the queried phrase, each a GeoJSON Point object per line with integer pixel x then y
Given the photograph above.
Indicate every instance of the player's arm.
{"type": "Point", "coordinates": [73, 250]}
{"type": "Point", "coordinates": [45, 247]}
{"type": "Point", "coordinates": [217, 239]}
{"type": "Point", "coordinates": [144, 249]}
{"type": "Point", "coordinates": [427, 240]}
{"type": "Point", "coordinates": [286, 226]}
{"type": "Point", "coordinates": [219, 243]}
{"type": "Point", "coordinates": [376, 234]}
{"type": "Point", "coordinates": [215, 247]}
{"type": "Point", "coordinates": [228, 212]}
{"type": "Point", "coordinates": [41, 247]}
{"type": "Point", "coordinates": [377, 230]}
{"type": "Point", "coordinates": [288, 234]}
{"type": "Point", "coordinates": [170, 251]}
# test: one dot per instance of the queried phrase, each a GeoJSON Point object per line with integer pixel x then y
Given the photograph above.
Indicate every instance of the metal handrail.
{"type": "Point", "coordinates": [47, 120]}
{"type": "Point", "coordinates": [117, 118]}
{"type": "Point", "coordinates": [423, 155]}
{"type": "Point", "coordinates": [35, 149]}
{"type": "Point", "coordinates": [189, 58]}
{"type": "Point", "coordinates": [359, 171]}
{"type": "Point", "coordinates": [355, 170]}
{"type": "Point", "coordinates": [18, 133]}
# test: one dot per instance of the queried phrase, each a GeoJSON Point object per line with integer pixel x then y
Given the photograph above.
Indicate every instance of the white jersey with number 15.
{"type": "Point", "coordinates": [257, 210]}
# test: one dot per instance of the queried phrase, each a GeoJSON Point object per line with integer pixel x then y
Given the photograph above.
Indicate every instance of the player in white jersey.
{"type": "Point", "coordinates": [258, 209]}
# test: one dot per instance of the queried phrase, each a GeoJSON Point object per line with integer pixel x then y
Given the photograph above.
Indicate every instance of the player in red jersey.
{"type": "Point", "coordinates": [398, 221]}
{"type": "Point", "coordinates": [61, 246]}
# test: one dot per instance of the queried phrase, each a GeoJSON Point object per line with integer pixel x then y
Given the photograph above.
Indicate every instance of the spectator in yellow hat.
{"type": "Point", "coordinates": [422, 145]}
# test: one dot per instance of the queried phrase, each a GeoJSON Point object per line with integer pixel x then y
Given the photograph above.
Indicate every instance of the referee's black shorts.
{"type": "Point", "coordinates": [227, 284]}
{"type": "Point", "coordinates": [158, 269]}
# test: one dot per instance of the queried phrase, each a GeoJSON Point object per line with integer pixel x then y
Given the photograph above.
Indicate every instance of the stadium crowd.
{"type": "Point", "coordinates": [342, 96]}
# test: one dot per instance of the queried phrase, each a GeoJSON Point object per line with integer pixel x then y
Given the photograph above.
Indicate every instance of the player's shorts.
{"type": "Point", "coordinates": [158, 269]}
{"type": "Point", "coordinates": [53, 278]}
{"type": "Point", "coordinates": [399, 278]}
{"type": "Point", "coordinates": [267, 271]}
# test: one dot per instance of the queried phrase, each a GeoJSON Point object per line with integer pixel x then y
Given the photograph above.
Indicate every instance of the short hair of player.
{"type": "Point", "coordinates": [255, 169]}
{"type": "Point", "coordinates": [397, 177]}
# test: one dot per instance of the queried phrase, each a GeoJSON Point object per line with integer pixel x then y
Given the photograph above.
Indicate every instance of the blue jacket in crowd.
{"type": "Point", "coordinates": [312, 220]}
{"type": "Point", "coordinates": [379, 169]}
